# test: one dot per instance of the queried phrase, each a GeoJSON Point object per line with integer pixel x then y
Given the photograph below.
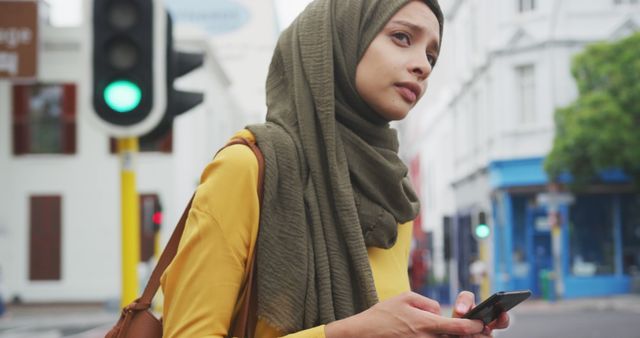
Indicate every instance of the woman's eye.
{"type": "Point", "coordinates": [432, 60]}
{"type": "Point", "coordinates": [402, 38]}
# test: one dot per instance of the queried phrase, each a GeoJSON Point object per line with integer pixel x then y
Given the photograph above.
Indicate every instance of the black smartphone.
{"type": "Point", "coordinates": [502, 301]}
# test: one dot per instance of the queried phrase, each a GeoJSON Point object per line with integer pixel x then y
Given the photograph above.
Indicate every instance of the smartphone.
{"type": "Point", "coordinates": [502, 301]}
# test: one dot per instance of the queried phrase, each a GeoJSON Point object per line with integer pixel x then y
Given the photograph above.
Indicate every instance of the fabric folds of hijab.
{"type": "Point", "coordinates": [334, 184]}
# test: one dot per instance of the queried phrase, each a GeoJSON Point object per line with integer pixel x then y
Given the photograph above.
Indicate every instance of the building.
{"type": "Point", "coordinates": [482, 134]}
{"type": "Point", "coordinates": [59, 176]}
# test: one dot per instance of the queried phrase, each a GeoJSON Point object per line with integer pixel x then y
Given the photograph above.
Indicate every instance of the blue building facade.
{"type": "Point", "coordinates": [598, 237]}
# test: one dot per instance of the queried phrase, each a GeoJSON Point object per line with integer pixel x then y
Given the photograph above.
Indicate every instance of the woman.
{"type": "Point", "coordinates": [335, 221]}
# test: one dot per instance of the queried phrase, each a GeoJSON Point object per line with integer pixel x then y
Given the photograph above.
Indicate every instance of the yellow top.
{"type": "Point", "coordinates": [202, 283]}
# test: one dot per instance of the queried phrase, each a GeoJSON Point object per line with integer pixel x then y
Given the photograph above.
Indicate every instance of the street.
{"type": "Point", "coordinates": [585, 324]}
{"type": "Point", "coordinates": [615, 317]}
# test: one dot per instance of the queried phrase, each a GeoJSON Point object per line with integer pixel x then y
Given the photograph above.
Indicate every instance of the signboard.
{"type": "Point", "coordinates": [18, 39]}
{"type": "Point", "coordinates": [243, 34]}
{"type": "Point", "coordinates": [553, 200]}
{"type": "Point", "coordinates": [216, 17]}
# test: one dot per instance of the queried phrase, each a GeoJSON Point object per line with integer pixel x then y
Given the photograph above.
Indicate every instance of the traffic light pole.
{"type": "Point", "coordinates": [485, 285]}
{"type": "Point", "coordinates": [127, 150]}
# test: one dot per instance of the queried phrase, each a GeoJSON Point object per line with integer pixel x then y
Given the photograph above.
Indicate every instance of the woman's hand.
{"type": "Point", "coordinates": [407, 315]}
{"type": "Point", "coordinates": [465, 302]}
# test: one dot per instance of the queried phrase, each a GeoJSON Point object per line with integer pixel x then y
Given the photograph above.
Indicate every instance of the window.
{"type": "Point", "coordinates": [621, 2]}
{"type": "Point", "coordinates": [65, 13]}
{"type": "Point", "coordinates": [526, 94]}
{"type": "Point", "coordinates": [476, 121]}
{"type": "Point", "coordinates": [162, 143]}
{"type": "Point", "coordinates": [473, 28]}
{"type": "Point", "coordinates": [591, 236]}
{"type": "Point", "coordinates": [631, 234]}
{"type": "Point", "coordinates": [44, 238]}
{"type": "Point", "coordinates": [526, 5]}
{"type": "Point", "coordinates": [44, 119]}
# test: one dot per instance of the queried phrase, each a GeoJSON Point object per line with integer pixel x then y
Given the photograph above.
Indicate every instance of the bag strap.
{"type": "Point", "coordinates": [144, 302]}
{"type": "Point", "coordinates": [246, 319]}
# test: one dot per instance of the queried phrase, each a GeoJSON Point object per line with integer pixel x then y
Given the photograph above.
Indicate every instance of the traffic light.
{"type": "Point", "coordinates": [157, 217]}
{"type": "Point", "coordinates": [481, 229]}
{"type": "Point", "coordinates": [178, 64]}
{"type": "Point", "coordinates": [128, 65]}
{"type": "Point", "coordinates": [150, 224]}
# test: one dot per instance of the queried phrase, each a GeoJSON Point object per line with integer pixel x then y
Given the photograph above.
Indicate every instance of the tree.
{"type": "Point", "coordinates": [601, 129]}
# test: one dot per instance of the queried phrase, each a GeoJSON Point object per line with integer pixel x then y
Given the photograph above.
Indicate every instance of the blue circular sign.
{"type": "Point", "coordinates": [214, 16]}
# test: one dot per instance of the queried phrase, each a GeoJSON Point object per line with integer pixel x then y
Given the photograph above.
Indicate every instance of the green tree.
{"type": "Point", "coordinates": [601, 129]}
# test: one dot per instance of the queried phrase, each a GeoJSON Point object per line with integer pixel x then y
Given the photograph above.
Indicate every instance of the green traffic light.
{"type": "Point", "coordinates": [482, 231]}
{"type": "Point", "coordinates": [122, 96]}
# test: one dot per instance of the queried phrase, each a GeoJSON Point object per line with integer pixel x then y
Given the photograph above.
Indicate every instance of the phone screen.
{"type": "Point", "coordinates": [499, 302]}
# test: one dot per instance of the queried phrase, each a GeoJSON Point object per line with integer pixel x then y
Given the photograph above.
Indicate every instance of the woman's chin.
{"type": "Point", "coordinates": [397, 114]}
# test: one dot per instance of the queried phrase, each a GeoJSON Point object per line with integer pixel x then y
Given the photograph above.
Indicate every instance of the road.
{"type": "Point", "coordinates": [573, 323]}
{"type": "Point", "coordinates": [612, 317]}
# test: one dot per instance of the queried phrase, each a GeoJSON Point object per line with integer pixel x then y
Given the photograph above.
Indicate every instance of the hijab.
{"type": "Point", "coordinates": [334, 183]}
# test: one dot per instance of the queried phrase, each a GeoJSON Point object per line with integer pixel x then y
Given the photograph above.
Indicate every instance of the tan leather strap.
{"type": "Point", "coordinates": [245, 317]}
{"type": "Point", "coordinates": [166, 258]}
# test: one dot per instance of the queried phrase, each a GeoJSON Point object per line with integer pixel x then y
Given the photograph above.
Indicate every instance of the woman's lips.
{"type": "Point", "coordinates": [407, 94]}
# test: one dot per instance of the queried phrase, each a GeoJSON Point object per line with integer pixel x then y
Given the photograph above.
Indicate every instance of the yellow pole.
{"type": "Point", "coordinates": [485, 287]}
{"type": "Point", "coordinates": [127, 149]}
{"type": "Point", "coordinates": [159, 298]}
{"type": "Point", "coordinates": [156, 245]}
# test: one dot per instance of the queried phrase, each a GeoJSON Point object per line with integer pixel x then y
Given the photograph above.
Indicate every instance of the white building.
{"type": "Point", "coordinates": [60, 184]}
{"type": "Point", "coordinates": [487, 123]}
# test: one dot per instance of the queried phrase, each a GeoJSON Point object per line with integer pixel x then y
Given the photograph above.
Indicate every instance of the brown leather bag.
{"type": "Point", "coordinates": [137, 321]}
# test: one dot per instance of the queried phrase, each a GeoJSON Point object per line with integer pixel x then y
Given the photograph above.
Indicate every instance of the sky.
{"type": "Point", "coordinates": [69, 13]}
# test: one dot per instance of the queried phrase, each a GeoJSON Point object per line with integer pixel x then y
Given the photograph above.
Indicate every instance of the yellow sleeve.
{"type": "Point", "coordinates": [315, 332]}
{"type": "Point", "coordinates": [202, 283]}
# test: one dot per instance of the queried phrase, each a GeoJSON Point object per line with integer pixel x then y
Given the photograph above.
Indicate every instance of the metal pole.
{"type": "Point", "coordinates": [556, 239]}
{"type": "Point", "coordinates": [556, 248]}
{"type": "Point", "coordinates": [127, 150]}
{"type": "Point", "coordinates": [485, 286]}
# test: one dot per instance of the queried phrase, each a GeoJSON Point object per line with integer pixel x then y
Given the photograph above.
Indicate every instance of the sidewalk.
{"type": "Point", "coordinates": [93, 320]}
{"type": "Point", "coordinates": [56, 320]}
{"type": "Point", "coordinates": [624, 303]}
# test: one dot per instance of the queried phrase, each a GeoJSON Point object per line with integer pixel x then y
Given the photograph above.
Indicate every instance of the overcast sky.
{"type": "Point", "coordinates": [68, 12]}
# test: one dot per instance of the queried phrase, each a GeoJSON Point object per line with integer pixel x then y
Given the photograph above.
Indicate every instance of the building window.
{"type": "Point", "coordinates": [162, 143]}
{"type": "Point", "coordinates": [526, 5]}
{"type": "Point", "coordinates": [45, 238]}
{"type": "Point", "coordinates": [526, 94]}
{"type": "Point", "coordinates": [626, 2]}
{"type": "Point", "coordinates": [591, 236]}
{"type": "Point", "coordinates": [631, 234]}
{"type": "Point", "coordinates": [44, 119]}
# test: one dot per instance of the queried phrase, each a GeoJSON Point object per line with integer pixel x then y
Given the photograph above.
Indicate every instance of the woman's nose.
{"type": "Point", "coordinates": [421, 67]}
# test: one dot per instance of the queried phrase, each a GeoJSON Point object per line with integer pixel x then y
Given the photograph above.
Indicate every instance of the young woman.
{"type": "Point", "coordinates": [332, 234]}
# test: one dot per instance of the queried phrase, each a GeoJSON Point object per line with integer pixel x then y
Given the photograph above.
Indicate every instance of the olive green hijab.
{"type": "Point", "coordinates": [334, 184]}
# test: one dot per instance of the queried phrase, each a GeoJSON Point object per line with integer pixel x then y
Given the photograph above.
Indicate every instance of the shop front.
{"type": "Point", "coordinates": [591, 249]}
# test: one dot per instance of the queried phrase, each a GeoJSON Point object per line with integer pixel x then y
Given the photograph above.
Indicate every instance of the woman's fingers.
{"type": "Point", "coordinates": [464, 302]}
{"type": "Point", "coordinates": [457, 326]}
{"type": "Point", "coordinates": [487, 331]}
{"type": "Point", "coordinates": [423, 303]}
{"type": "Point", "coordinates": [501, 323]}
